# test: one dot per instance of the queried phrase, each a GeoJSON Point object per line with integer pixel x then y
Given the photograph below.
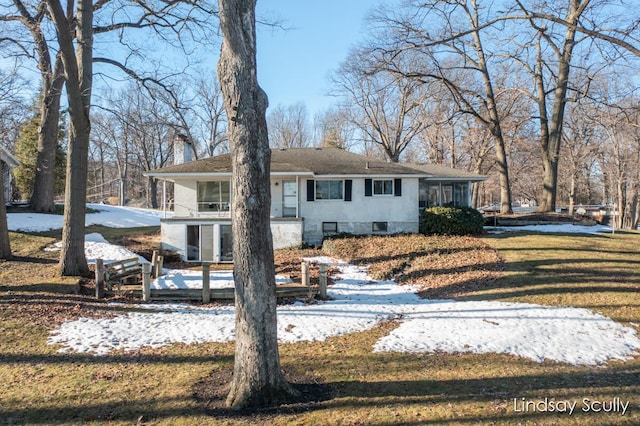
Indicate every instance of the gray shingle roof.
{"type": "Point", "coordinates": [442, 172]}
{"type": "Point", "coordinates": [318, 162]}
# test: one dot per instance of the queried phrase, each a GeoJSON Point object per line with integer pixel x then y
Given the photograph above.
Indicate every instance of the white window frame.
{"type": "Point", "coordinates": [215, 205]}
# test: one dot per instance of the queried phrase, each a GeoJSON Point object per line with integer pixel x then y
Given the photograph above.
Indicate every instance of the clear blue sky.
{"type": "Point", "coordinates": [294, 65]}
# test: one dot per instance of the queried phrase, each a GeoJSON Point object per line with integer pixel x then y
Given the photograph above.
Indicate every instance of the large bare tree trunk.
{"type": "Point", "coordinates": [52, 76]}
{"type": "Point", "coordinates": [44, 181]}
{"type": "Point", "coordinates": [494, 124]}
{"type": "Point", "coordinates": [5, 247]}
{"type": "Point", "coordinates": [552, 139]}
{"type": "Point", "coordinates": [257, 378]}
{"type": "Point", "coordinates": [78, 72]}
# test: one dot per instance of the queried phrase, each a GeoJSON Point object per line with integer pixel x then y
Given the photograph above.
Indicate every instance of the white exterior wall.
{"type": "Point", "coordinates": [356, 216]}
{"type": "Point", "coordinates": [276, 198]}
{"type": "Point", "coordinates": [174, 237]}
{"type": "Point", "coordinates": [286, 233]}
{"type": "Point", "coordinates": [185, 198]}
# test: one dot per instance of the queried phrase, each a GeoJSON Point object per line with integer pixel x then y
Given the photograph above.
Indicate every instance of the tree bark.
{"type": "Point", "coordinates": [494, 123]}
{"type": "Point", "coordinates": [5, 246]}
{"type": "Point", "coordinates": [552, 140]}
{"type": "Point", "coordinates": [42, 197]}
{"type": "Point", "coordinates": [152, 185]}
{"type": "Point", "coordinates": [78, 72]}
{"type": "Point", "coordinates": [52, 80]}
{"type": "Point", "coordinates": [258, 379]}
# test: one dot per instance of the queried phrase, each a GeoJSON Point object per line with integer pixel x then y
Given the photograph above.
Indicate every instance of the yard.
{"type": "Point", "coordinates": [346, 382]}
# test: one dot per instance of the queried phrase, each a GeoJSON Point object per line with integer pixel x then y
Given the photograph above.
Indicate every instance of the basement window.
{"type": "Point", "coordinates": [329, 228]}
{"type": "Point", "coordinates": [380, 226]}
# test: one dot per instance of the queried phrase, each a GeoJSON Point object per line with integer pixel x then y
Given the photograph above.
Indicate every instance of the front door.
{"type": "Point", "coordinates": [289, 198]}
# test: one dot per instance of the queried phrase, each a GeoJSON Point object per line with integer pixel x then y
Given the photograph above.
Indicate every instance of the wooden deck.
{"type": "Point", "coordinates": [205, 294]}
{"type": "Point", "coordinates": [220, 294]}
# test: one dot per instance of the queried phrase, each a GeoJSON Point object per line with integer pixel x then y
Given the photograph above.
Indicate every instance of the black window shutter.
{"type": "Point", "coordinates": [311, 190]}
{"type": "Point", "coordinates": [368, 187]}
{"type": "Point", "coordinates": [348, 184]}
{"type": "Point", "coordinates": [397, 187]}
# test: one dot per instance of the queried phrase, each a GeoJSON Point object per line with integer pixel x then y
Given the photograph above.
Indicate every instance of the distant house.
{"type": "Point", "coordinates": [7, 163]}
{"type": "Point", "coordinates": [315, 192]}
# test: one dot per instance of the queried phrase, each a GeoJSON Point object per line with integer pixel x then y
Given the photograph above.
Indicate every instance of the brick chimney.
{"type": "Point", "coordinates": [181, 149]}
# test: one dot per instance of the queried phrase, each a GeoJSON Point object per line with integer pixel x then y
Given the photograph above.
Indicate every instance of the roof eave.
{"type": "Point", "coordinates": [202, 175]}
{"type": "Point", "coordinates": [458, 179]}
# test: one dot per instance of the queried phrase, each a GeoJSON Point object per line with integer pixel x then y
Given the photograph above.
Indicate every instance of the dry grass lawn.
{"type": "Point", "coordinates": [177, 385]}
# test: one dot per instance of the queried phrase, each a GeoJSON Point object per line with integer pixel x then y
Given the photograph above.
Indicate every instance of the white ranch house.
{"type": "Point", "coordinates": [315, 192]}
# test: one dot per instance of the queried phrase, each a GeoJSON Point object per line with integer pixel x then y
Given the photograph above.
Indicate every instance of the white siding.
{"type": "Point", "coordinates": [286, 233]}
{"type": "Point", "coordinates": [357, 216]}
{"type": "Point", "coordinates": [401, 213]}
{"type": "Point", "coordinates": [185, 198]}
{"type": "Point", "coordinates": [174, 238]}
{"type": "Point", "coordinates": [276, 198]}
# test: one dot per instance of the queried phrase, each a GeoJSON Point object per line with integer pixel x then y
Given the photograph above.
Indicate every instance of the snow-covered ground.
{"type": "Point", "coordinates": [564, 229]}
{"type": "Point", "coordinates": [571, 335]}
{"type": "Point", "coordinates": [112, 216]}
{"type": "Point", "coordinates": [564, 334]}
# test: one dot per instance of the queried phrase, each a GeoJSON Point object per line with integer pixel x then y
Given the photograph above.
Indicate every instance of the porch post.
{"type": "Point", "coordinates": [297, 196]}
{"type": "Point", "coordinates": [164, 199]}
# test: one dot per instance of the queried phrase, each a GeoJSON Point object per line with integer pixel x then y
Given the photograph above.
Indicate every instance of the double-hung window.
{"type": "Point", "coordinates": [375, 187]}
{"type": "Point", "coordinates": [214, 196]}
{"type": "Point", "coordinates": [383, 187]}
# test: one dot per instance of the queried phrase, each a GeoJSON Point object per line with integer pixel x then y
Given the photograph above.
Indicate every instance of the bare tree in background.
{"type": "Point", "coordinates": [33, 17]}
{"type": "Point", "coordinates": [209, 117]}
{"type": "Point", "coordinates": [174, 23]}
{"type": "Point", "coordinates": [257, 377]}
{"type": "Point", "coordinates": [550, 92]}
{"type": "Point", "coordinates": [289, 126]}
{"type": "Point", "coordinates": [618, 118]}
{"type": "Point", "coordinates": [12, 107]}
{"type": "Point", "coordinates": [448, 37]}
{"type": "Point", "coordinates": [334, 129]}
{"type": "Point", "coordinates": [387, 103]}
{"type": "Point", "coordinates": [580, 145]}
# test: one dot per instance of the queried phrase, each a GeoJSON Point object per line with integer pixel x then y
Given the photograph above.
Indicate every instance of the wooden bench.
{"type": "Point", "coordinates": [122, 271]}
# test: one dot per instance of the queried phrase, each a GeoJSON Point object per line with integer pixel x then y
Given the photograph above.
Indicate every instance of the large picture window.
{"type": "Point", "coordinates": [329, 190]}
{"type": "Point", "coordinates": [214, 196]}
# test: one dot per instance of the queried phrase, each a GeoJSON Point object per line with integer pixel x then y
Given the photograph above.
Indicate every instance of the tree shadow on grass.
{"type": "Point", "coordinates": [498, 393]}
{"type": "Point", "coordinates": [132, 411]}
{"type": "Point", "coordinates": [33, 260]}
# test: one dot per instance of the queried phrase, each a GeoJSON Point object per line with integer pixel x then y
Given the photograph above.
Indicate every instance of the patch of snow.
{"type": "Point", "coordinates": [560, 229]}
{"type": "Point", "coordinates": [571, 335]}
{"type": "Point", "coordinates": [112, 216]}
{"type": "Point", "coordinates": [97, 247]}
{"type": "Point", "coordinates": [359, 303]}
{"type": "Point", "coordinates": [192, 279]}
